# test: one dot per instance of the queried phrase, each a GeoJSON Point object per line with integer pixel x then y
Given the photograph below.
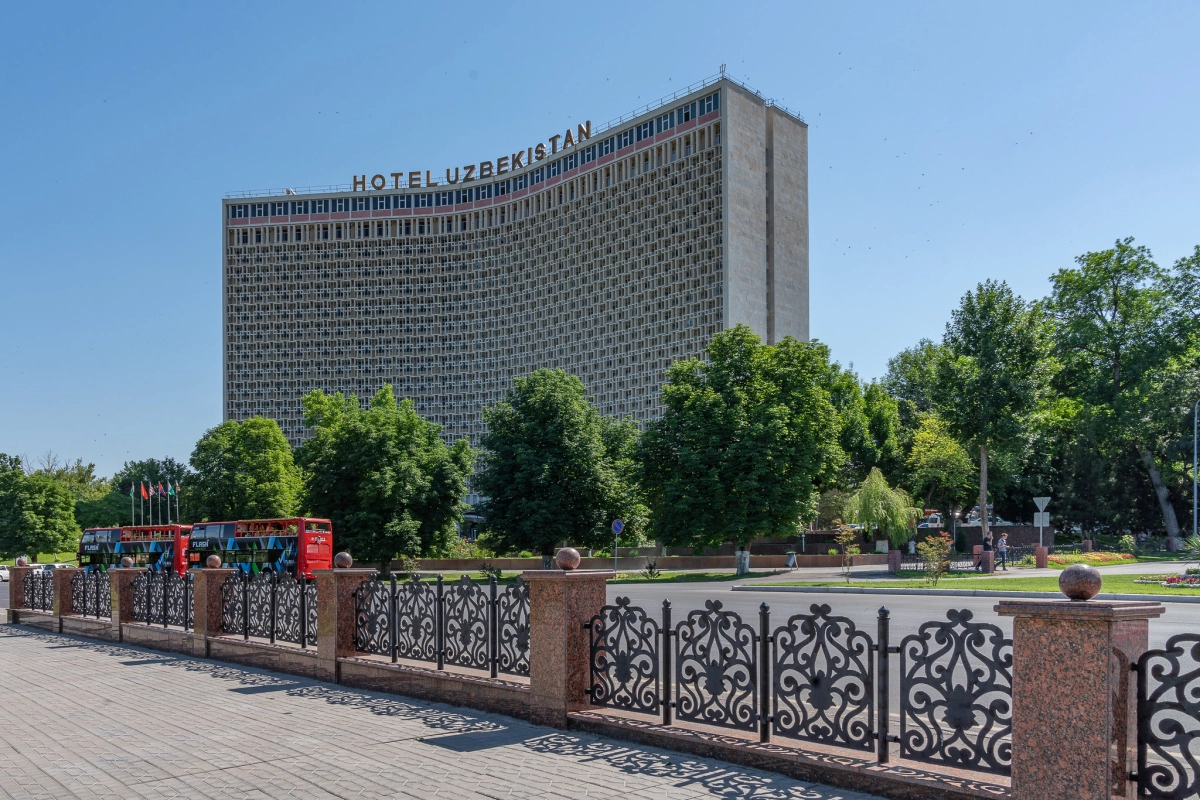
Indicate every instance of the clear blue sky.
{"type": "Point", "coordinates": [948, 143]}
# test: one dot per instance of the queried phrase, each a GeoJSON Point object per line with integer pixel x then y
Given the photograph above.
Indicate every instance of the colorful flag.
{"type": "Point", "coordinates": [161, 493]}
{"type": "Point", "coordinates": [131, 489]}
{"type": "Point", "coordinates": [170, 489]}
{"type": "Point", "coordinates": [145, 494]}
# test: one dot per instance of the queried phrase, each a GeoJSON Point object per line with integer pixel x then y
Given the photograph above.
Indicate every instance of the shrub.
{"type": "Point", "coordinates": [651, 570]}
{"type": "Point", "coordinates": [487, 571]}
{"type": "Point", "coordinates": [1127, 544]}
{"type": "Point", "coordinates": [410, 565]}
{"type": "Point", "coordinates": [833, 551]}
{"type": "Point", "coordinates": [935, 552]}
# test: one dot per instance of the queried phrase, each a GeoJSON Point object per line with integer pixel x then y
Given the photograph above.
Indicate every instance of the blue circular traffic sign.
{"type": "Point", "coordinates": [618, 526]}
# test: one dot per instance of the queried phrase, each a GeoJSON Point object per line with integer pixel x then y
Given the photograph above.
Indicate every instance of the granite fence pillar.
{"type": "Point", "coordinates": [1041, 557]}
{"type": "Point", "coordinates": [1075, 697]}
{"type": "Point", "coordinates": [63, 602]}
{"type": "Point", "coordinates": [1087, 546]}
{"type": "Point", "coordinates": [894, 560]}
{"type": "Point", "coordinates": [121, 588]}
{"type": "Point", "coordinates": [560, 604]}
{"type": "Point", "coordinates": [207, 606]}
{"type": "Point", "coordinates": [16, 586]}
{"type": "Point", "coordinates": [336, 616]}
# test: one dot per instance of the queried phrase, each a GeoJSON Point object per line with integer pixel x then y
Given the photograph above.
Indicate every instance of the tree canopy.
{"type": "Point", "coordinates": [741, 439]}
{"type": "Point", "coordinates": [382, 475]}
{"type": "Point", "coordinates": [881, 508]}
{"type": "Point", "coordinates": [244, 470]}
{"type": "Point", "coordinates": [551, 468]}
{"type": "Point", "coordinates": [37, 515]}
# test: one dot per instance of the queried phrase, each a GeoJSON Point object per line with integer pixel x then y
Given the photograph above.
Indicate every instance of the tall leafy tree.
{"type": "Point", "coordinates": [382, 475]}
{"type": "Point", "coordinates": [545, 468]}
{"type": "Point", "coordinates": [938, 466]}
{"type": "Point", "coordinates": [741, 440]}
{"type": "Point", "coordinates": [244, 470]}
{"type": "Point", "coordinates": [879, 507]}
{"type": "Point", "coordinates": [986, 379]}
{"type": "Point", "coordinates": [37, 514]}
{"type": "Point", "coordinates": [1115, 337]}
{"type": "Point", "coordinates": [912, 374]}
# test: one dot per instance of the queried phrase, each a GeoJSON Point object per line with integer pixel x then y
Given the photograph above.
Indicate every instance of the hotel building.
{"type": "Point", "coordinates": [609, 253]}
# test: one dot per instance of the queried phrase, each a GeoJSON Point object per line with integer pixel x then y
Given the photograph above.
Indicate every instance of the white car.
{"type": "Point", "coordinates": [3, 574]}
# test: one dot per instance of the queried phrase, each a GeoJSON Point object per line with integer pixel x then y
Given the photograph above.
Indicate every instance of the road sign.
{"type": "Point", "coordinates": [1041, 503]}
{"type": "Point", "coordinates": [618, 526]}
{"type": "Point", "coordinates": [1041, 519]}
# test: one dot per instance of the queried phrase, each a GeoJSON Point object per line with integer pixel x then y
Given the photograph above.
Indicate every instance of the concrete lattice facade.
{"type": "Point", "coordinates": [611, 269]}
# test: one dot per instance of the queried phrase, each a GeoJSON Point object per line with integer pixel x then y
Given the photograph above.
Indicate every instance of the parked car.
{"type": "Point", "coordinates": [3, 574]}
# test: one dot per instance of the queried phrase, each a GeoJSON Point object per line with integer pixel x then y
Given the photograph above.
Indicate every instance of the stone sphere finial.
{"type": "Point", "coordinates": [126, 562]}
{"type": "Point", "coordinates": [342, 560]}
{"type": "Point", "coordinates": [1080, 582]}
{"type": "Point", "coordinates": [22, 561]}
{"type": "Point", "coordinates": [567, 558]}
{"type": "Point", "coordinates": [213, 561]}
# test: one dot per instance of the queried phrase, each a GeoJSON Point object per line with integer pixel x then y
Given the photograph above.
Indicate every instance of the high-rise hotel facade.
{"type": "Point", "coordinates": [607, 253]}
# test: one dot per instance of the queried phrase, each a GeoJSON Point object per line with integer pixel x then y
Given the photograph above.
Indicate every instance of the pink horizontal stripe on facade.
{"type": "Point", "coordinates": [319, 217]}
{"type": "Point", "coordinates": [624, 151]}
{"type": "Point", "coordinates": [300, 218]}
{"type": "Point", "coordinates": [709, 117]}
{"type": "Point", "coordinates": [605, 159]}
{"type": "Point", "coordinates": [242, 221]}
{"type": "Point", "coordinates": [360, 214]}
{"type": "Point", "coordinates": [644, 143]}
{"type": "Point", "coordinates": [279, 219]}
{"type": "Point", "coordinates": [342, 215]}
{"type": "Point", "coordinates": [686, 126]}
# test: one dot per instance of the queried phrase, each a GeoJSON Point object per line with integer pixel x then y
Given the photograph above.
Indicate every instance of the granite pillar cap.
{"type": "Point", "coordinates": [1102, 610]}
{"type": "Point", "coordinates": [567, 558]}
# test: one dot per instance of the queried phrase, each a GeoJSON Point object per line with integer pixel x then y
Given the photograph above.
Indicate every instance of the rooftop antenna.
{"type": "Point", "coordinates": [722, 70]}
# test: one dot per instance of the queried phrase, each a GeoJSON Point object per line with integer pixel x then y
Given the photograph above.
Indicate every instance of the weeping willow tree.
{"type": "Point", "coordinates": [878, 506]}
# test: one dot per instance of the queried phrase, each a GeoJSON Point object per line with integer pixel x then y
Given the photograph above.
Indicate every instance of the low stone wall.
{"type": "Point", "coordinates": [629, 564]}
{"type": "Point", "coordinates": [486, 694]}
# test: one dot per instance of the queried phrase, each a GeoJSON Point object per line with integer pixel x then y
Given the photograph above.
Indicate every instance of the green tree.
{"type": "Point", "coordinates": [1116, 341]}
{"type": "Point", "coordinates": [382, 475]}
{"type": "Point", "coordinates": [545, 469]}
{"type": "Point", "coordinates": [878, 507]}
{"type": "Point", "coordinates": [626, 501]}
{"type": "Point", "coordinates": [37, 514]}
{"type": "Point", "coordinates": [742, 437]}
{"type": "Point", "coordinates": [986, 379]}
{"type": "Point", "coordinates": [912, 375]}
{"type": "Point", "coordinates": [938, 466]}
{"type": "Point", "coordinates": [79, 479]}
{"type": "Point", "coordinates": [244, 470]}
{"type": "Point", "coordinates": [155, 471]}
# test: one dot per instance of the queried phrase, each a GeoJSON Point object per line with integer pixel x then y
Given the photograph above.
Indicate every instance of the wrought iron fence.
{"type": "Point", "coordinates": [91, 594]}
{"type": "Point", "coordinates": [164, 598]}
{"type": "Point", "coordinates": [817, 677]}
{"type": "Point", "coordinates": [956, 694]}
{"type": "Point", "coordinates": [959, 562]}
{"type": "Point", "coordinates": [38, 588]}
{"type": "Point", "coordinates": [278, 608]}
{"type": "Point", "coordinates": [458, 623]}
{"type": "Point", "coordinates": [1168, 717]}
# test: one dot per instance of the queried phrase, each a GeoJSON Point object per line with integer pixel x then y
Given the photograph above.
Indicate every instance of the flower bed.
{"type": "Point", "coordinates": [1091, 558]}
{"type": "Point", "coordinates": [1190, 580]}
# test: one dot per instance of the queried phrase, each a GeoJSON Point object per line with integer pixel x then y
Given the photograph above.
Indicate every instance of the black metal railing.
{"type": "Point", "coordinates": [164, 597]}
{"type": "Point", "coordinates": [817, 677]}
{"type": "Point", "coordinates": [460, 623]}
{"type": "Point", "coordinates": [956, 694]}
{"type": "Point", "coordinates": [278, 608]}
{"type": "Point", "coordinates": [38, 588]}
{"type": "Point", "coordinates": [959, 562]}
{"type": "Point", "coordinates": [91, 594]}
{"type": "Point", "coordinates": [1168, 720]}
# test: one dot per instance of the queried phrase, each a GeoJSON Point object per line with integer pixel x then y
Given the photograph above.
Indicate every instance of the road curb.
{"type": "Point", "coordinates": [1163, 598]}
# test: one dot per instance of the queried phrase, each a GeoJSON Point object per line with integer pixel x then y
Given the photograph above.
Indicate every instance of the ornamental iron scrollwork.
{"type": "Point", "coordinates": [466, 621]}
{"type": "Point", "coordinates": [38, 588]}
{"type": "Point", "coordinates": [372, 628]}
{"type": "Point", "coordinates": [823, 677]}
{"type": "Point", "coordinates": [624, 658]}
{"type": "Point", "coordinates": [79, 598]}
{"type": "Point", "coordinates": [513, 629]}
{"type": "Point", "coordinates": [310, 609]}
{"type": "Point", "coordinates": [956, 694]}
{"type": "Point", "coordinates": [102, 594]}
{"type": "Point", "coordinates": [1168, 713]}
{"type": "Point", "coordinates": [287, 610]}
{"type": "Point", "coordinates": [140, 588]}
{"type": "Point", "coordinates": [716, 671]}
{"type": "Point", "coordinates": [416, 620]}
{"type": "Point", "coordinates": [232, 603]}
{"type": "Point", "coordinates": [154, 597]}
{"type": "Point", "coordinates": [176, 599]}
{"type": "Point", "coordinates": [258, 620]}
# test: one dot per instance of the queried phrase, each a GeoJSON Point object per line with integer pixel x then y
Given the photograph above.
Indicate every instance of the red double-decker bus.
{"type": "Point", "coordinates": [294, 546]}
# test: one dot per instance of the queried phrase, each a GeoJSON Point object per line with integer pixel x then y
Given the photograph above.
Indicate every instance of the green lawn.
{"type": "Point", "coordinates": [1118, 584]}
{"type": "Point", "coordinates": [47, 558]}
{"type": "Point", "coordinates": [622, 577]}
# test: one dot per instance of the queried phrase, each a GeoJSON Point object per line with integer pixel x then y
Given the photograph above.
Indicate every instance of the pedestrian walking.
{"type": "Point", "coordinates": [1002, 550]}
{"type": "Point", "coordinates": [987, 548]}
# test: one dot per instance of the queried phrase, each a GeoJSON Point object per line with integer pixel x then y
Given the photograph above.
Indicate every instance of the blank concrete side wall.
{"type": "Point", "coordinates": [745, 143]}
{"type": "Point", "coordinates": [787, 155]}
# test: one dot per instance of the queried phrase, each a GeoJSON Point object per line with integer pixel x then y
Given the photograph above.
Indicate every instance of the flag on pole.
{"type": "Point", "coordinates": [145, 494]}
{"type": "Point", "coordinates": [131, 487]}
{"type": "Point", "coordinates": [161, 493]}
{"type": "Point", "coordinates": [170, 489]}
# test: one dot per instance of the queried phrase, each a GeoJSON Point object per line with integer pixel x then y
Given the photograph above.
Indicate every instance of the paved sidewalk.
{"type": "Point", "coordinates": [84, 719]}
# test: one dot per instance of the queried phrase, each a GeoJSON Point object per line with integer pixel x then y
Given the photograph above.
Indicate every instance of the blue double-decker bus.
{"type": "Point", "coordinates": [158, 547]}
